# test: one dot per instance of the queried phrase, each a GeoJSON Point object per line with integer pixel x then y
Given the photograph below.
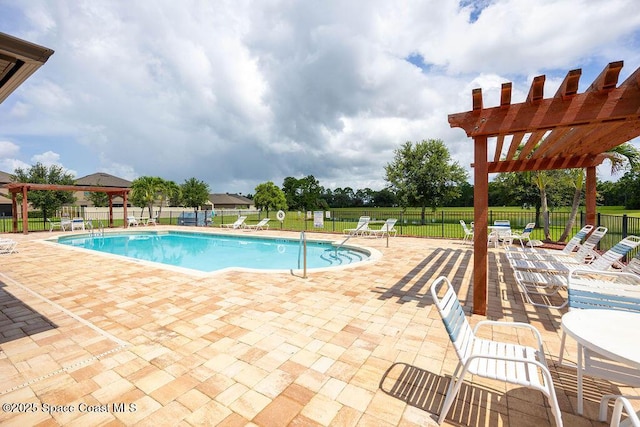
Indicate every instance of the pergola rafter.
{"type": "Point", "coordinates": [569, 130]}
{"type": "Point", "coordinates": [16, 188]}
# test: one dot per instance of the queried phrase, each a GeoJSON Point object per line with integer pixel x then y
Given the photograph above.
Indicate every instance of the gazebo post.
{"type": "Point", "coordinates": [25, 211]}
{"type": "Point", "coordinates": [124, 209]}
{"type": "Point", "coordinates": [590, 195]}
{"type": "Point", "coordinates": [14, 211]}
{"type": "Point", "coordinates": [480, 215]}
{"type": "Point", "coordinates": [110, 210]}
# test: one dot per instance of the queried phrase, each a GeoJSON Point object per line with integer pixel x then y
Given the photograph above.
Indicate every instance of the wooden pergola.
{"type": "Point", "coordinates": [569, 130]}
{"type": "Point", "coordinates": [16, 188]}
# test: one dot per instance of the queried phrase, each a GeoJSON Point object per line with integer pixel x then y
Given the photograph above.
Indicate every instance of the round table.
{"type": "Point", "coordinates": [609, 333]}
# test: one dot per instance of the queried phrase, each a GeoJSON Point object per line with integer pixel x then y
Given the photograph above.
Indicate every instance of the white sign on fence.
{"type": "Point", "coordinates": [318, 219]}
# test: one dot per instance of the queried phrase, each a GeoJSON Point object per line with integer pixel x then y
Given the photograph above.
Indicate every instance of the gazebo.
{"type": "Point", "coordinates": [569, 130]}
{"type": "Point", "coordinates": [16, 188]}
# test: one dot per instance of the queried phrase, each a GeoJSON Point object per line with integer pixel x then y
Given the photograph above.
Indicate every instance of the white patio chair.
{"type": "Point", "coordinates": [525, 235]}
{"type": "Point", "coordinates": [132, 221]}
{"type": "Point", "coordinates": [564, 266]}
{"type": "Point", "coordinates": [586, 251]}
{"type": "Point", "coordinates": [468, 232]}
{"type": "Point", "coordinates": [386, 229]}
{"type": "Point", "coordinates": [7, 246]}
{"type": "Point", "coordinates": [361, 228]}
{"type": "Point", "coordinates": [622, 403]}
{"type": "Point", "coordinates": [262, 225]}
{"type": "Point", "coordinates": [239, 223]}
{"type": "Point", "coordinates": [512, 363]}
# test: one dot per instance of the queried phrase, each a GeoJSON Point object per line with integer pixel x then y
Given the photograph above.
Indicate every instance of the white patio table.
{"type": "Point", "coordinates": [609, 333]}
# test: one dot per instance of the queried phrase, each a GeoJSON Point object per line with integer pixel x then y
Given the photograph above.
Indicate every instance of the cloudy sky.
{"type": "Point", "coordinates": [237, 92]}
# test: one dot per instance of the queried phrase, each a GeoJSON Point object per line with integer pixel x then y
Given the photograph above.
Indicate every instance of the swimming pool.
{"type": "Point", "coordinates": [207, 252]}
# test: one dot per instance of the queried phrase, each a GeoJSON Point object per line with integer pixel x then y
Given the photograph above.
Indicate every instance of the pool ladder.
{"type": "Point", "coordinates": [302, 254]}
{"type": "Point", "coordinates": [93, 232]}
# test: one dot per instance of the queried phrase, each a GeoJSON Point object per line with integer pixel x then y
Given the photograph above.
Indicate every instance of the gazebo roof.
{"type": "Point", "coordinates": [570, 130]}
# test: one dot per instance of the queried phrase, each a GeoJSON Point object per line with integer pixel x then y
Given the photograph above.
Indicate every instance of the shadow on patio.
{"type": "Point", "coordinates": [18, 319]}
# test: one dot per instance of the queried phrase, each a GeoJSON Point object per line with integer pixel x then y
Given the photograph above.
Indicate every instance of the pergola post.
{"type": "Point", "coordinates": [14, 209]}
{"type": "Point", "coordinates": [124, 206]}
{"type": "Point", "coordinates": [25, 211]}
{"type": "Point", "coordinates": [110, 210]}
{"type": "Point", "coordinates": [590, 195]}
{"type": "Point", "coordinates": [480, 215]}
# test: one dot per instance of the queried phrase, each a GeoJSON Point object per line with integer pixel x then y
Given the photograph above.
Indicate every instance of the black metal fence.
{"type": "Point", "coordinates": [441, 224]}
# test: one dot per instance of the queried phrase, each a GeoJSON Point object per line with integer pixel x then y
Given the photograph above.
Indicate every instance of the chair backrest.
{"type": "Point", "coordinates": [388, 225]}
{"type": "Point", "coordinates": [579, 237]}
{"type": "Point", "coordinates": [263, 221]}
{"type": "Point", "coordinates": [613, 295]}
{"type": "Point", "coordinates": [616, 253]}
{"type": "Point", "coordinates": [633, 266]}
{"type": "Point", "coordinates": [502, 223]}
{"type": "Point", "coordinates": [464, 226]}
{"type": "Point", "coordinates": [453, 317]}
{"type": "Point", "coordinates": [590, 244]}
{"type": "Point", "coordinates": [528, 229]}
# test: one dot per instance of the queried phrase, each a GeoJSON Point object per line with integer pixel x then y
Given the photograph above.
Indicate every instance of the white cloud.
{"type": "Point", "coordinates": [238, 93]}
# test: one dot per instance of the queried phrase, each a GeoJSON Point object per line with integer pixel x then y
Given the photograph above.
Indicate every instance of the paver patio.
{"type": "Point", "coordinates": [88, 339]}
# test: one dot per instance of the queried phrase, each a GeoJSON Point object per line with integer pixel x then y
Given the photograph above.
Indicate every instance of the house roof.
{"type": "Point", "coordinates": [103, 179]}
{"type": "Point", "coordinates": [229, 199]}
{"type": "Point", "coordinates": [18, 60]}
{"type": "Point", "coordinates": [5, 178]}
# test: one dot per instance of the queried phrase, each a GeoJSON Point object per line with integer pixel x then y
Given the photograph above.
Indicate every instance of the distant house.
{"type": "Point", "coordinates": [100, 179]}
{"type": "Point", "coordinates": [5, 197]}
{"type": "Point", "coordinates": [230, 201]}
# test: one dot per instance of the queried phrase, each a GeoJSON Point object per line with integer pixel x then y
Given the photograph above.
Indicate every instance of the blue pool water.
{"type": "Point", "coordinates": [211, 252]}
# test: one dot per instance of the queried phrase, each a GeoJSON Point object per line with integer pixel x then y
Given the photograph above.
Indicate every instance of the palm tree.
{"type": "Point", "coordinates": [619, 156]}
{"type": "Point", "coordinates": [145, 191]}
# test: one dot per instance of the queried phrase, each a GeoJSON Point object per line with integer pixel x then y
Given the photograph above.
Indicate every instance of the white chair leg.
{"type": "Point", "coordinates": [452, 392]}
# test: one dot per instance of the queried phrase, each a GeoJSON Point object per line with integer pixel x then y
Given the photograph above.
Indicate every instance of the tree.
{"type": "Point", "coordinates": [46, 201]}
{"type": "Point", "coordinates": [619, 157]}
{"type": "Point", "coordinates": [195, 193]}
{"type": "Point", "coordinates": [145, 192]}
{"type": "Point", "coordinates": [97, 198]}
{"type": "Point", "coordinates": [304, 193]}
{"type": "Point", "coordinates": [424, 175]}
{"type": "Point", "coordinates": [269, 197]}
{"type": "Point", "coordinates": [169, 192]}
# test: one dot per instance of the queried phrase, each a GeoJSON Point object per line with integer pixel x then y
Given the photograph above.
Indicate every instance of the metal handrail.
{"type": "Point", "coordinates": [302, 253]}
{"type": "Point", "coordinates": [341, 244]}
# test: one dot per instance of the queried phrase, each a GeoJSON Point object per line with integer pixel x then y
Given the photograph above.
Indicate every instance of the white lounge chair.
{"type": "Point", "coordinates": [239, 223]}
{"type": "Point", "coordinates": [361, 228]}
{"type": "Point", "coordinates": [547, 278]}
{"type": "Point", "coordinates": [386, 229]}
{"type": "Point", "coordinates": [55, 224]}
{"type": "Point", "coordinates": [468, 232]}
{"type": "Point", "coordinates": [262, 225]}
{"type": "Point", "coordinates": [508, 362]}
{"type": "Point", "coordinates": [585, 253]}
{"type": "Point", "coordinates": [7, 246]}
{"type": "Point", "coordinates": [152, 221]}
{"type": "Point", "coordinates": [622, 403]}
{"type": "Point", "coordinates": [132, 221]}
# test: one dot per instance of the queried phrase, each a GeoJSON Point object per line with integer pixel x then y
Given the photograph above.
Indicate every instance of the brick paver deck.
{"type": "Point", "coordinates": [88, 339]}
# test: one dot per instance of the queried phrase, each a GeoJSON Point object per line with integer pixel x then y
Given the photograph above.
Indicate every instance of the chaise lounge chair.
{"type": "Point", "coordinates": [132, 221]}
{"type": "Point", "coordinates": [238, 224]}
{"type": "Point", "coordinates": [361, 228]}
{"type": "Point", "coordinates": [386, 229]}
{"type": "Point", "coordinates": [262, 225]}
{"type": "Point", "coordinates": [468, 232]}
